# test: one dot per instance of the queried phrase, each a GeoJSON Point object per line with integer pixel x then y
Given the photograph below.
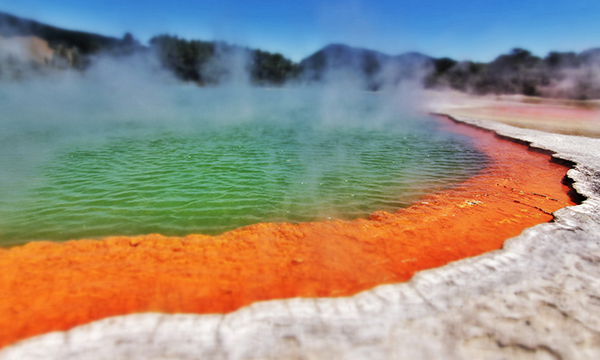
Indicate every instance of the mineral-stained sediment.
{"type": "Point", "coordinates": [54, 287]}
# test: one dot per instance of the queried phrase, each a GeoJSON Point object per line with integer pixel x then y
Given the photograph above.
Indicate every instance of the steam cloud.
{"type": "Point", "coordinates": [137, 87]}
{"type": "Point", "coordinates": [558, 75]}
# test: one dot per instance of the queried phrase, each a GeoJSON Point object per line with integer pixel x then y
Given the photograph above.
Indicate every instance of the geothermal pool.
{"type": "Point", "coordinates": [212, 160]}
{"type": "Point", "coordinates": [62, 285]}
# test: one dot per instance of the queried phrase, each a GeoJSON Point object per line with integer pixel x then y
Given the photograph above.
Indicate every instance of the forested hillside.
{"type": "Point", "coordinates": [558, 74]}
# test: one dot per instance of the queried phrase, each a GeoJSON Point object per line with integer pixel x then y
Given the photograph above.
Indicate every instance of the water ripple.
{"type": "Point", "coordinates": [213, 180]}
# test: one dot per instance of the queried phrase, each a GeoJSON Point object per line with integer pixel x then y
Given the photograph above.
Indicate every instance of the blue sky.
{"type": "Point", "coordinates": [463, 29]}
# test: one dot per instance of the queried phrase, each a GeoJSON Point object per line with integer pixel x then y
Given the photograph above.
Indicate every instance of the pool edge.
{"type": "Point", "coordinates": [549, 274]}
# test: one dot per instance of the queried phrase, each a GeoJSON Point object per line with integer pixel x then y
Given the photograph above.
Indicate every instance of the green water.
{"type": "Point", "coordinates": [122, 174]}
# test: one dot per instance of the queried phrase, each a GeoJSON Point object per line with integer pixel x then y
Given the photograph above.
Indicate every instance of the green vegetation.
{"type": "Point", "coordinates": [203, 62]}
{"type": "Point", "coordinates": [72, 49]}
{"type": "Point", "coordinates": [211, 62]}
{"type": "Point", "coordinates": [86, 43]}
{"type": "Point", "coordinates": [559, 75]}
{"type": "Point", "coordinates": [269, 68]}
{"type": "Point", "coordinates": [185, 58]}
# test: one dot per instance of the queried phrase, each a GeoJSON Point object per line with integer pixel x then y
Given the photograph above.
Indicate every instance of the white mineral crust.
{"type": "Point", "coordinates": [537, 298]}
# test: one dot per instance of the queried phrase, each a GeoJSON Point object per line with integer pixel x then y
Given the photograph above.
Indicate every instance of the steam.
{"type": "Point", "coordinates": [580, 83]}
{"type": "Point", "coordinates": [228, 66]}
{"type": "Point", "coordinates": [23, 56]}
{"type": "Point", "coordinates": [124, 96]}
{"type": "Point", "coordinates": [558, 75]}
{"type": "Point", "coordinates": [15, 47]}
{"type": "Point", "coordinates": [132, 98]}
{"type": "Point", "coordinates": [138, 89]}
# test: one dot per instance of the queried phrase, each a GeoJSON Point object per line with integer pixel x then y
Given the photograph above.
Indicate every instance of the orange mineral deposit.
{"type": "Point", "coordinates": [56, 286]}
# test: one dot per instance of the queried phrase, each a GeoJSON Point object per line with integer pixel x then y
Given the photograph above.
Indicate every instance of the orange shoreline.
{"type": "Point", "coordinates": [56, 286]}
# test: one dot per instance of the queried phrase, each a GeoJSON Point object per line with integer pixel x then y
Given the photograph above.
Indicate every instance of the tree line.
{"type": "Point", "coordinates": [207, 62]}
{"type": "Point", "coordinates": [558, 74]}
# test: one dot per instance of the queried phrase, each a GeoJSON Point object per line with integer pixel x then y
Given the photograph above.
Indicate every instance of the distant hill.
{"type": "Point", "coordinates": [558, 75]}
{"type": "Point", "coordinates": [374, 68]}
{"type": "Point", "coordinates": [204, 62]}
{"type": "Point", "coordinates": [590, 55]}
{"type": "Point", "coordinates": [86, 43]}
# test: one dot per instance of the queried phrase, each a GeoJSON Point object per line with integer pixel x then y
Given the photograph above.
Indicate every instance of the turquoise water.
{"type": "Point", "coordinates": [208, 163]}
